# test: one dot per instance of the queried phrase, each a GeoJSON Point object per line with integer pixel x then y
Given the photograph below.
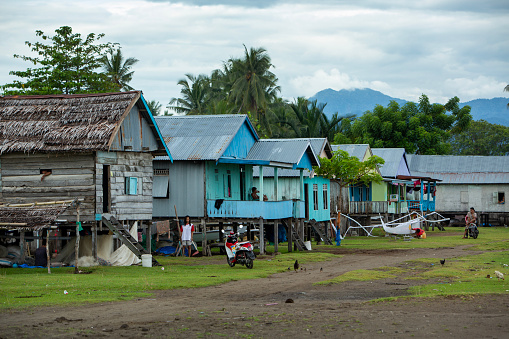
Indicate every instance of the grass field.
{"type": "Point", "coordinates": [21, 288]}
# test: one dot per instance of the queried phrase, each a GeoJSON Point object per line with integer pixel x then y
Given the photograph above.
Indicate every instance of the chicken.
{"type": "Point", "coordinates": [321, 269]}
{"type": "Point", "coordinates": [442, 262]}
{"type": "Point", "coordinates": [499, 275]}
{"type": "Point", "coordinates": [296, 265]}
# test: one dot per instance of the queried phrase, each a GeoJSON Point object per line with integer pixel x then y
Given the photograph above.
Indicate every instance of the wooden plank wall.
{"type": "Point", "coordinates": [72, 177]}
{"type": "Point", "coordinates": [122, 165]}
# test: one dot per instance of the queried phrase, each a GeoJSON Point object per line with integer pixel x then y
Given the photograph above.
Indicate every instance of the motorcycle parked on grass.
{"type": "Point", "coordinates": [473, 232]}
{"type": "Point", "coordinates": [238, 252]}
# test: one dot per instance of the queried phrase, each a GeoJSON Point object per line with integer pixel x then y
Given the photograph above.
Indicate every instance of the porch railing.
{"type": "Point", "coordinates": [368, 207]}
{"type": "Point", "coordinates": [252, 209]}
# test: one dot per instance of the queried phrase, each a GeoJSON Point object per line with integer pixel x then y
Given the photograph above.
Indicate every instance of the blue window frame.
{"type": "Point", "coordinates": [131, 186]}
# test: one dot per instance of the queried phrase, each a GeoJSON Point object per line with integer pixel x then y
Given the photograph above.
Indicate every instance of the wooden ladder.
{"type": "Point", "coordinates": [325, 238]}
{"type": "Point", "coordinates": [126, 237]}
{"type": "Point", "coordinates": [295, 236]}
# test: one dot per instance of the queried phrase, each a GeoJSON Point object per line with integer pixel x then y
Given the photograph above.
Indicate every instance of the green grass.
{"type": "Point", "coordinates": [22, 288]}
{"type": "Point", "coordinates": [34, 287]}
{"type": "Point", "coordinates": [490, 239]}
{"type": "Point", "coordinates": [364, 275]}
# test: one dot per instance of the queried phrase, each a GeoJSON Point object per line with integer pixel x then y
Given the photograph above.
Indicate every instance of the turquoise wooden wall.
{"type": "Point", "coordinates": [223, 181]}
{"type": "Point", "coordinates": [322, 213]}
{"type": "Point", "coordinates": [241, 144]}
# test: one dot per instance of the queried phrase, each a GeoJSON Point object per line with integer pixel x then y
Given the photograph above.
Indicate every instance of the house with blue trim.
{"type": "Point", "coordinates": [315, 201]}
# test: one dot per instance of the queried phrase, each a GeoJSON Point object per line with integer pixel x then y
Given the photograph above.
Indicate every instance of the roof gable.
{"type": "Point", "coordinates": [74, 123]}
{"type": "Point", "coordinates": [360, 151]}
{"type": "Point", "coordinates": [297, 152]}
{"type": "Point", "coordinates": [206, 137]}
{"type": "Point", "coordinates": [395, 162]}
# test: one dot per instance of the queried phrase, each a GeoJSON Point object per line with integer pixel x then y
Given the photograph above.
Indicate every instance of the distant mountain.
{"type": "Point", "coordinates": [358, 101]}
{"type": "Point", "coordinates": [355, 101]}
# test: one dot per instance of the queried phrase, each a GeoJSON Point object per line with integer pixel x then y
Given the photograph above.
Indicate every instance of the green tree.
{"type": "Point", "coordinates": [348, 170]}
{"type": "Point", "coordinates": [506, 88]}
{"type": "Point", "coordinates": [195, 93]}
{"type": "Point", "coordinates": [154, 106]}
{"type": "Point", "coordinates": [253, 85]}
{"type": "Point", "coordinates": [66, 65]}
{"type": "Point", "coordinates": [117, 69]}
{"type": "Point", "coordinates": [311, 121]}
{"type": "Point", "coordinates": [481, 138]}
{"type": "Point", "coordinates": [422, 128]}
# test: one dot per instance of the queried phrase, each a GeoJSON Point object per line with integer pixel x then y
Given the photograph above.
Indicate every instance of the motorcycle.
{"type": "Point", "coordinates": [473, 232]}
{"type": "Point", "coordinates": [238, 252]}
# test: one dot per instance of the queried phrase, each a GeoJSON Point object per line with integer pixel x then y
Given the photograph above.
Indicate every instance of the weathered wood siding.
{"type": "Point", "coordinates": [134, 134]}
{"type": "Point", "coordinates": [72, 177]}
{"type": "Point", "coordinates": [123, 165]}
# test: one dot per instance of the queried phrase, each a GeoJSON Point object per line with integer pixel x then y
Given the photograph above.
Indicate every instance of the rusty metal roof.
{"type": "Point", "coordinates": [461, 169]}
{"type": "Point", "coordinates": [199, 137]}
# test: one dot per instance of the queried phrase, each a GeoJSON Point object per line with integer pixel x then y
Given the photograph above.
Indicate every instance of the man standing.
{"type": "Point", "coordinates": [470, 218]}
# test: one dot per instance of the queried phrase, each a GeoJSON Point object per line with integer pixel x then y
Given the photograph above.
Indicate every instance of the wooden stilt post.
{"type": "Point", "coordinates": [262, 237]}
{"type": "Point", "coordinates": [22, 247]}
{"type": "Point", "coordinates": [77, 244]}
{"type": "Point", "coordinates": [94, 240]}
{"type": "Point", "coordinates": [204, 237]}
{"type": "Point", "coordinates": [276, 236]}
{"type": "Point", "coordinates": [290, 235]}
{"type": "Point", "coordinates": [48, 261]}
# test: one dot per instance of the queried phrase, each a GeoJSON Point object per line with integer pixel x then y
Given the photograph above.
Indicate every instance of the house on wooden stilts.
{"type": "Point", "coordinates": [316, 189]}
{"type": "Point", "coordinates": [211, 178]}
{"type": "Point", "coordinates": [94, 147]}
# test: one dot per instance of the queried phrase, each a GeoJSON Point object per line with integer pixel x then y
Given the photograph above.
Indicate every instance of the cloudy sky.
{"type": "Point", "coordinates": [442, 48]}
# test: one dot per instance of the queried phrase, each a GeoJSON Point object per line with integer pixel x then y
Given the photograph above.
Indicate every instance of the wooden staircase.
{"type": "Point", "coordinates": [295, 236]}
{"type": "Point", "coordinates": [126, 237]}
{"type": "Point", "coordinates": [324, 237]}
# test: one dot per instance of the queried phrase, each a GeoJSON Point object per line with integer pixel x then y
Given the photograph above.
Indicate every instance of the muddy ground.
{"type": "Point", "coordinates": [259, 308]}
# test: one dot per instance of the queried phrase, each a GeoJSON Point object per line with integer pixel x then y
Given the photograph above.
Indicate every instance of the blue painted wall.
{"type": "Point", "coordinates": [321, 213]}
{"type": "Point", "coordinates": [241, 144]}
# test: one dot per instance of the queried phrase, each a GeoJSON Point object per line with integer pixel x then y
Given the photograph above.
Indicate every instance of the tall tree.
{"type": "Point", "coordinates": [311, 121]}
{"type": "Point", "coordinates": [154, 106]}
{"type": "Point", "coordinates": [253, 84]}
{"type": "Point", "coordinates": [422, 128]}
{"type": "Point", "coordinates": [65, 66]}
{"type": "Point", "coordinates": [195, 93]}
{"type": "Point", "coordinates": [117, 69]}
{"type": "Point", "coordinates": [481, 138]}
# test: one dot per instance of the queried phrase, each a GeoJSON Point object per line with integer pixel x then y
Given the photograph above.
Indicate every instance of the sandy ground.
{"type": "Point", "coordinates": [259, 308]}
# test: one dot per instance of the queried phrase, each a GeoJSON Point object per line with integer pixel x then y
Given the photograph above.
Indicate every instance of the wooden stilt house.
{"type": "Point", "coordinates": [95, 147]}
{"type": "Point", "coordinates": [211, 177]}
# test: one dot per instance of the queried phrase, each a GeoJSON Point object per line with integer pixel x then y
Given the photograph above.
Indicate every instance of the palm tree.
{"type": "Point", "coordinates": [118, 69]}
{"type": "Point", "coordinates": [154, 106]}
{"type": "Point", "coordinates": [195, 95]}
{"type": "Point", "coordinates": [506, 88]}
{"type": "Point", "coordinates": [253, 84]}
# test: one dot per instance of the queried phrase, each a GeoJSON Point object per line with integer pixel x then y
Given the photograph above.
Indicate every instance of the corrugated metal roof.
{"type": "Point", "coordinates": [288, 151]}
{"type": "Point", "coordinates": [461, 169]}
{"type": "Point", "coordinates": [354, 150]}
{"type": "Point", "coordinates": [199, 137]}
{"type": "Point", "coordinates": [392, 157]}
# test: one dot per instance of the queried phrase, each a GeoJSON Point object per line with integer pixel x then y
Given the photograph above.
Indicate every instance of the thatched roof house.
{"type": "Point", "coordinates": [77, 123]}
{"type": "Point", "coordinates": [96, 147]}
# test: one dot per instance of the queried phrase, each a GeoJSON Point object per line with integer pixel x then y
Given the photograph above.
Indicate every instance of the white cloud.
{"type": "Point", "coordinates": [440, 48]}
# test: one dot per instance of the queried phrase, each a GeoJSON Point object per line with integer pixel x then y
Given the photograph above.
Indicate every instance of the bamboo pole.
{"type": "Point", "coordinates": [77, 245]}
{"type": "Point", "coordinates": [47, 251]}
{"type": "Point", "coordinates": [13, 224]}
{"type": "Point", "coordinates": [22, 247]}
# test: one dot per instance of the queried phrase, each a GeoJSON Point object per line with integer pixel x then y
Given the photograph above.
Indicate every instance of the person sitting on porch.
{"type": "Point", "coordinates": [255, 196]}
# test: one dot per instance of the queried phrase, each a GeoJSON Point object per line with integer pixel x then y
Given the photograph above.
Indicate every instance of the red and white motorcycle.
{"type": "Point", "coordinates": [239, 252]}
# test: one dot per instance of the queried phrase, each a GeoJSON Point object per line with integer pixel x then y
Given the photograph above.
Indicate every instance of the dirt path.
{"type": "Point", "coordinates": [257, 308]}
